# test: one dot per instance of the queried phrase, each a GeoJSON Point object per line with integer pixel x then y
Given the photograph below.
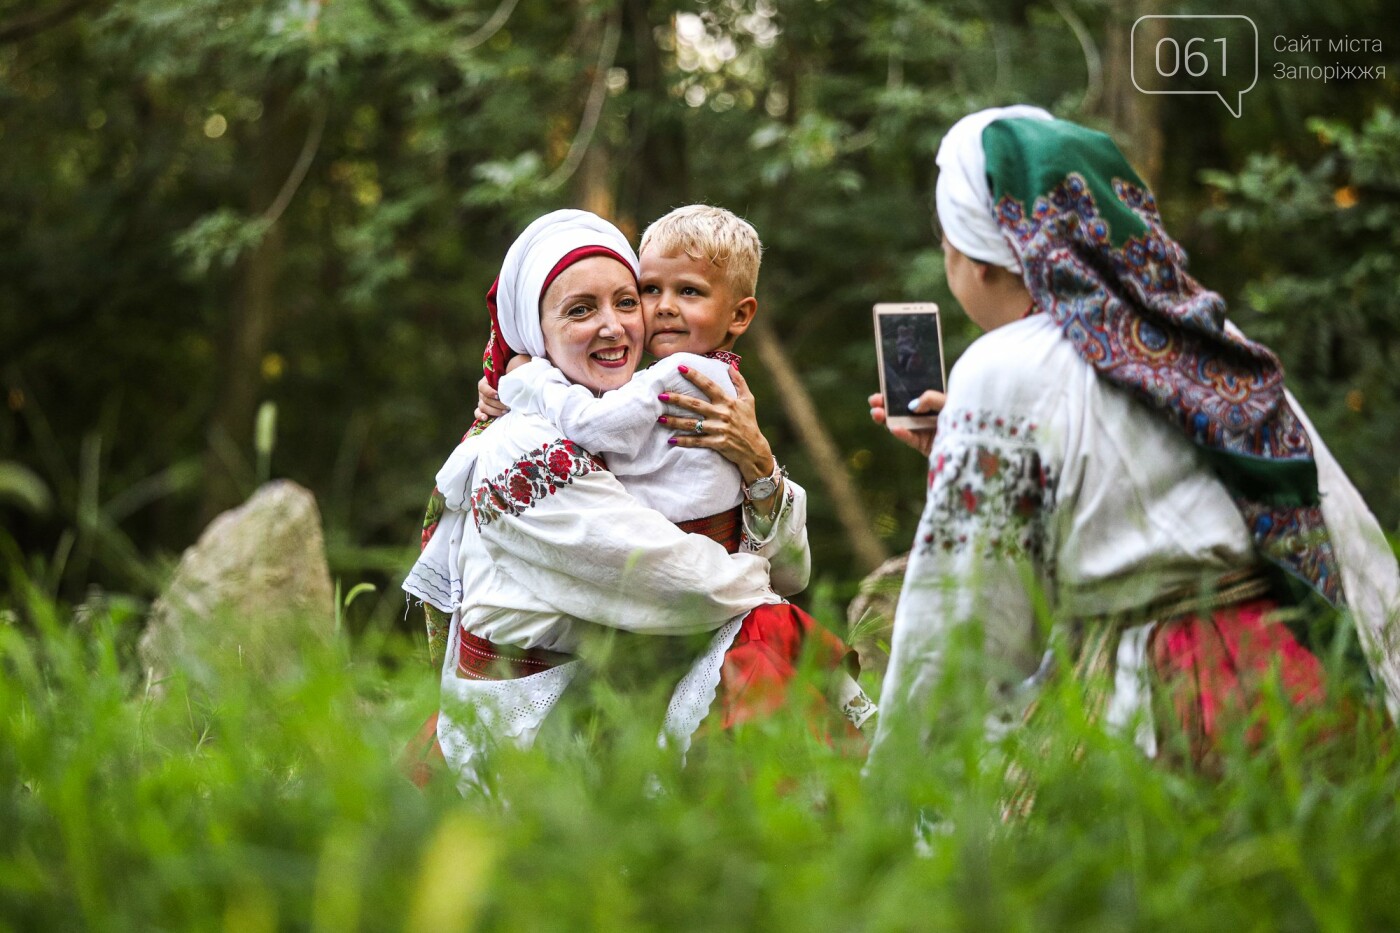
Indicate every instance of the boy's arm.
{"type": "Point", "coordinates": [622, 421]}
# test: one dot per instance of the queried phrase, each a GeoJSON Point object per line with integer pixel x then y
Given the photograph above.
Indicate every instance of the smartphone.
{"type": "Point", "coordinates": [909, 348]}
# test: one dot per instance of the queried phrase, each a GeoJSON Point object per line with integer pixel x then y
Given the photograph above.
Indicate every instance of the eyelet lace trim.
{"type": "Point", "coordinates": [479, 713]}
{"type": "Point", "coordinates": [695, 693]}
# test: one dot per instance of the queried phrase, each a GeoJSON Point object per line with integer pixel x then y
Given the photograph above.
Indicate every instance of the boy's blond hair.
{"type": "Point", "coordinates": [713, 233]}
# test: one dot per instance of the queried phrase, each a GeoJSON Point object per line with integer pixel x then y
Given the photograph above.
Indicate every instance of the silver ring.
{"type": "Point", "coordinates": [700, 426]}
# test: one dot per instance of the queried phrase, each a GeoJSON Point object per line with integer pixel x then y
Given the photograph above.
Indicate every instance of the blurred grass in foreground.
{"type": "Point", "coordinates": [245, 805]}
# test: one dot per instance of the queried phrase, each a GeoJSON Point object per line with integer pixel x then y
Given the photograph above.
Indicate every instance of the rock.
{"type": "Point", "coordinates": [870, 616]}
{"type": "Point", "coordinates": [248, 594]}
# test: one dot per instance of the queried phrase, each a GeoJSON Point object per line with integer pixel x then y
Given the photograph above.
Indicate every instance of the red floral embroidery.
{"type": "Point", "coordinates": [969, 499]}
{"type": "Point", "coordinates": [560, 463]}
{"type": "Point", "coordinates": [988, 463]}
{"type": "Point", "coordinates": [520, 489]}
{"type": "Point", "coordinates": [988, 489]}
{"type": "Point", "coordinates": [538, 474]}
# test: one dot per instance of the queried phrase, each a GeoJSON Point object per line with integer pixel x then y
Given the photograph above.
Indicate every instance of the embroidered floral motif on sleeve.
{"type": "Point", "coordinates": [858, 708]}
{"type": "Point", "coordinates": [538, 474]}
{"type": "Point", "coordinates": [992, 424]}
{"type": "Point", "coordinates": [989, 489]}
{"type": "Point", "coordinates": [727, 357]}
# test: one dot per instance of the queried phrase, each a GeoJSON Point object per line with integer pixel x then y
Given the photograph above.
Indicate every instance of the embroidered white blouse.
{"type": "Point", "coordinates": [539, 543]}
{"type": "Point", "coordinates": [1044, 477]}
{"type": "Point", "coordinates": [682, 483]}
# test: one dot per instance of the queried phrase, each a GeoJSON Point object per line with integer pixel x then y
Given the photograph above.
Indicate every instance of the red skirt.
{"type": "Point", "coordinates": [768, 650]}
{"type": "Point", "coordinates": [759, 669]}
{"type": "Point", "coordinates": [1210, 672]}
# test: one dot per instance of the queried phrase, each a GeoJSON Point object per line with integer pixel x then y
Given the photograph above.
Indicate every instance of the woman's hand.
{"type": "Point", "coordinates": [929, 403]}
{"type": "Point", "coordinates": [731, 424]}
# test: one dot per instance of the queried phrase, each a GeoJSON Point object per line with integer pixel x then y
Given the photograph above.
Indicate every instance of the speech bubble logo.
{"type": "Point", "coordinates": [1185, 54]}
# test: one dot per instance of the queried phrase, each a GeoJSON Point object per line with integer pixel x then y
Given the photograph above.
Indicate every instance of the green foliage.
{"type": "Point", "coordinates": [218, 240]}
{"type": "Point", "coordinates": [363, 165]}
{"type": "Point", "coordinates": [277, 805]}
{"type": "Point", "coordinates": [206, 206]}
{"type": "Point", "coordinates": [167, 138]}
{"type": "Point", "coordinates": [23, 487]}
{"type": "Point", "coordinates": [1330, 306]}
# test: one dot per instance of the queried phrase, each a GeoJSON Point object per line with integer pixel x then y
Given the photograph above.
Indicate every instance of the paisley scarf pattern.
{"type": "Point", "coordinates": [1097, 259]}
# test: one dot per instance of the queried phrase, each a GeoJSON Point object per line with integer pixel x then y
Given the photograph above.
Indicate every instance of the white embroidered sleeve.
{"type": "Point", "coordinates": [782, 539]}
{"type": "Point", "coordinates": [981, 542]}
{"type": "Point", "coordinates": [559, 524]}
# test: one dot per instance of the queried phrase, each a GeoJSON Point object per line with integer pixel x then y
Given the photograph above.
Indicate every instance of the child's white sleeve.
{"type": "Point", "coordinates": [622, 421]}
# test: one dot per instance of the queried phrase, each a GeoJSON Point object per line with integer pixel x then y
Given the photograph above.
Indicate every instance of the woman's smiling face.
{"type": "Point", "coordinates": [592, 322]}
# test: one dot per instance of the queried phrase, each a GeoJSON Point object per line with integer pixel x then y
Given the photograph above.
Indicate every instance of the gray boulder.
{"type": "Point", "coordinates": [248, 595]}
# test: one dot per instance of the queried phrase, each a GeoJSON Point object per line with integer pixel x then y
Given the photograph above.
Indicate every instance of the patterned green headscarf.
{"type": "Point", "coordinates": [1095, 257]}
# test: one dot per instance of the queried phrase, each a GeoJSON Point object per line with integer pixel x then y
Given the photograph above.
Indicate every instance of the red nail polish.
{"type": "Point", "coordinates": [670, 440]}
{"type": "Point", "coordinates": [662, 419]}
{"type": "Point", "coordinates": [683, 369]}
{"type": "Point", "coordinates": [664, 397]}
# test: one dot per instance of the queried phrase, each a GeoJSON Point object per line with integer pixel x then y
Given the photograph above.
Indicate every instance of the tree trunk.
{"type": "Point", "coordinates": [656, 175]}
{"type": "Point", "coordinates": [593, 183]}
{"type": "Point", "coordinates": [1135, 115]}
{"type": "Point", "coordinates": [821, 449]}
{"type": "Point", "coordinates": [228, 474]}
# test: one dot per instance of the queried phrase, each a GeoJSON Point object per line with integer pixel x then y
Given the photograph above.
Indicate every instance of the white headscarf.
{"type": "Point", "coordinates": [964, 199]}
{"type": "Point", "coordinates": [531, 258]}
{"type": "Point", "coordinates": [528, 263]}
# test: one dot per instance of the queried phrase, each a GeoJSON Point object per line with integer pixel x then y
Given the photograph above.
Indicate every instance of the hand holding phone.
{"type": "Point", "coordinates": [909, 348]}
{"type": "Point", "coordinates": [921, 439]}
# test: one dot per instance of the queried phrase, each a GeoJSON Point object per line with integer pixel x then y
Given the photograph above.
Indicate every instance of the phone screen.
{"type": "Point", "coordinates": [911, 357]}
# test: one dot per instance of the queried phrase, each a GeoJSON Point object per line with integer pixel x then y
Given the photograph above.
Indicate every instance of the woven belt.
{"type": "Point", "coordinates": [480, 659]}
{"type": "Point", "coordinates": [1228, 589]}
{"type": "Point", "coordinates": [725, 528]}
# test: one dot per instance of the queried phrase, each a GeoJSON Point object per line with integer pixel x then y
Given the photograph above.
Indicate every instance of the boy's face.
{"type": "Point", "coordinates": [689, 306]}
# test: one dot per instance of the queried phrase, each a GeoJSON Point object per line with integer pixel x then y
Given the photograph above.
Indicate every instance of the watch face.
{"type": "Point", "coordinates": [762, 488]}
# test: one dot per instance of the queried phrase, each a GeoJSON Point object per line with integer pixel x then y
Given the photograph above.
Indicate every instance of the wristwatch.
{"type": "Point", "coordinates": [764, 486]}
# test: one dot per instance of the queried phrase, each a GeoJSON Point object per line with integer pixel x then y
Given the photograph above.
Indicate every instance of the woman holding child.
{"type": "Point", "coordinates": [540, 545]}
{"type": "Point", "coordinates": [1114, 444]}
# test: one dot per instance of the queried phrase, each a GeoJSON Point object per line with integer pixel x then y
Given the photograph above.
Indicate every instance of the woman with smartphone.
{"type": "Point", "coordinates": [1113, 446]}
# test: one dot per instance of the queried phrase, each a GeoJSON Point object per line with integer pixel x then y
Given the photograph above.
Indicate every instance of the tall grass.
{"type": "Point", "coordinates": [242, 805]}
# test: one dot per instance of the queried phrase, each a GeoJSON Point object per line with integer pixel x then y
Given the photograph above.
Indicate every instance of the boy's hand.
{"type": "Point", "coordinates": [488, 400]}
{"type": "Point", "coordinates": [930, 402]}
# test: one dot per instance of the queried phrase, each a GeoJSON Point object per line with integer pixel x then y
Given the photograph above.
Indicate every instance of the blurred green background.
{"type": "Point", "coordinates": [212, 207]}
